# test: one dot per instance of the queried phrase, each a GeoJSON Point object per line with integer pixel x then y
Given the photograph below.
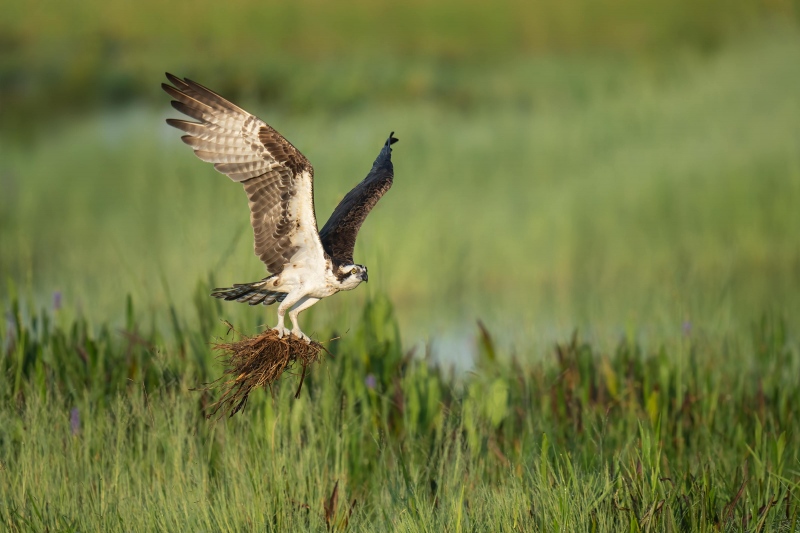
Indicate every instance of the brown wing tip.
{"type": "Point", "coordinates": [178, 123]}
{"type": "Point", "coordinates": [169, 89]}
{"type": "Point", "coordinates": [175, 80]}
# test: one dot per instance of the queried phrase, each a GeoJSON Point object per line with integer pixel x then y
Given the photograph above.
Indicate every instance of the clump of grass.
{"type": "Point", "coordinates": [258, 361]}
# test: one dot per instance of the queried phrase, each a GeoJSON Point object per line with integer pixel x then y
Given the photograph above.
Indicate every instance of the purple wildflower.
{"type": "Point", "coordinates": [370, 381]}
{"type": "Point", "coordinates": [57, 300]}
{"type": "Point", "coordinates": [74, 421]}
{"type": "Point", "coordinates": [687, 328]}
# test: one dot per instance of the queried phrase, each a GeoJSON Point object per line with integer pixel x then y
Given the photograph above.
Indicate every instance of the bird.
{"type": "Point", "coordinates": [304, 264]}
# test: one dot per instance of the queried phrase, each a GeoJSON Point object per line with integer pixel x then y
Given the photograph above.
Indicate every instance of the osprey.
{"type": "Point", "coordinates": [305, 265]}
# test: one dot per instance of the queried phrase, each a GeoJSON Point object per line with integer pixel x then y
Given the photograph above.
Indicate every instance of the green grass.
{"type": "Point", "coordinates": [696, 437]}
{"type": "Point", "coordinates": [57, 58]}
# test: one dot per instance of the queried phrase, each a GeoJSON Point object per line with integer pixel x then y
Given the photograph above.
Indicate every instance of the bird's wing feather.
{"type": "Point", "coordinates": [340, 232]}
{"type": "Point", "coordinates": [278, 179]}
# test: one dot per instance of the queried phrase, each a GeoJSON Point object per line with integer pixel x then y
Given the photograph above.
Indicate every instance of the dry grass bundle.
{"type": "Point", "coordinates": [257, 361]}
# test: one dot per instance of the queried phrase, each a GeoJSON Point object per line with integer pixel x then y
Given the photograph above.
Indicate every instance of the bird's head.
{"type": "Point", "coordinates": [351, 275]}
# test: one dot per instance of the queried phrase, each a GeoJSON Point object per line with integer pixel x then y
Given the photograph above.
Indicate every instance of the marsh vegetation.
{"type": "Point", "coordinates": [613, 197]}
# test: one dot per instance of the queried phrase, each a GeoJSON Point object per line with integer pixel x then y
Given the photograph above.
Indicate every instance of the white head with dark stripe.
{"type": "Point", "coordinates": [350, 276]}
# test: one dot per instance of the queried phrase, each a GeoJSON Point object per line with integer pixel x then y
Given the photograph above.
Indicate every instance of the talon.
{"type": "Point", "coordinates": [302, 336]}
{"type": "Point", "coordinates": [281, 331]}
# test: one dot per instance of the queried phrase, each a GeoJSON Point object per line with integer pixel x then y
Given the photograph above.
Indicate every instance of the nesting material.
{"type": "Point", "coordinates": [258, 361]}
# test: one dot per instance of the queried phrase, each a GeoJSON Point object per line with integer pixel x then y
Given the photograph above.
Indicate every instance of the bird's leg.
{"type": "Point", "coordinates": [304, 303]}
{"type": "Point", "coordinates": [280, 328]}
{"type": "Point", "coordinates": [291, 299]}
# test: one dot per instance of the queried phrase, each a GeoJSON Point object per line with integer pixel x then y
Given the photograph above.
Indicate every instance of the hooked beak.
{"type": "Point", "coordinates": [365, 277]}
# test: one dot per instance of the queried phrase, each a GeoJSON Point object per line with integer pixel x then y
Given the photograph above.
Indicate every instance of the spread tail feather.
{"type": "Point", "coordinates": [251, 293]}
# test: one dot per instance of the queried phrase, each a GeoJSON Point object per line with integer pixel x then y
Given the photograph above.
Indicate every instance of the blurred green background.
{"type": "Point", "coordinates": [627, 168]}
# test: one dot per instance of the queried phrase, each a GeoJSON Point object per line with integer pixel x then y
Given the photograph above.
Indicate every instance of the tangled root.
{"type": "Point", "coordinates": [257, 361]}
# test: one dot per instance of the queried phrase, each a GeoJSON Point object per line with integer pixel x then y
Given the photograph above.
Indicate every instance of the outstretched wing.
{"type": "Point", "coordinates": [340, 232]}
{"type": "Point", "coordinates": [278, 179]}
